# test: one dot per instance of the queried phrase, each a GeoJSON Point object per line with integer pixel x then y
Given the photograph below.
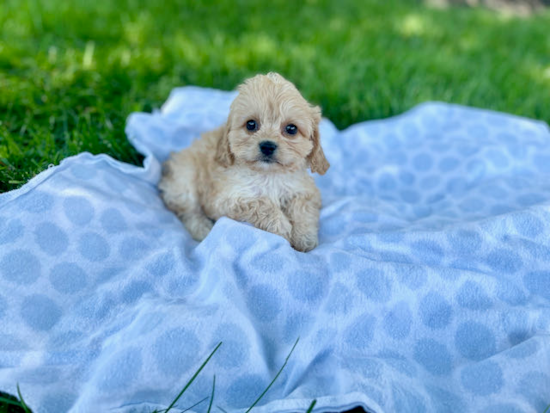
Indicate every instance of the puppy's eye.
{"type": "Point", "coordinates": [291, 129]}
{"type": "Point", "coordinates": [251, 125]}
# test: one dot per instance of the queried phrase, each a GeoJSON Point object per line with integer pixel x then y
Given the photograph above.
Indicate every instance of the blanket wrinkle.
{"type": "Point", "coordinates": [429, 291]}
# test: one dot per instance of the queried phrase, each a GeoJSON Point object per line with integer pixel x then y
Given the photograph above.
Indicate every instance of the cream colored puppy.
{"type": "Point", "coordinates": [253, 168]}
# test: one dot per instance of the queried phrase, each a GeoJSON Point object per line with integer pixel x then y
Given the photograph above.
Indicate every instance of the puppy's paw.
{"type": "Point", "coordinates": [199, 228]}
{"type": "Point", "coordinates": [304, 243]}
{"type": "Point", "coordinates": [279, 225]}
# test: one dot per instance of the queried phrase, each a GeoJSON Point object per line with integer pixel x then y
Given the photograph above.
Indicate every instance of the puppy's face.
{"type": "Point", "coordinates": [271, 127]}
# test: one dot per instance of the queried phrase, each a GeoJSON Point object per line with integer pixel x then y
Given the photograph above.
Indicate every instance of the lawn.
{"type": "Point", "coordinates": [72, 71]}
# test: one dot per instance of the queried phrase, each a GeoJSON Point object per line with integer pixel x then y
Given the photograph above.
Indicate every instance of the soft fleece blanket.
{"type": "Point", "coordinates": [429, 291]}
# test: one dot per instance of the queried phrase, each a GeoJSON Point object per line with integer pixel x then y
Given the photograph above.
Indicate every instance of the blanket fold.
{"type": "Point", "coordinates": [429, 291]}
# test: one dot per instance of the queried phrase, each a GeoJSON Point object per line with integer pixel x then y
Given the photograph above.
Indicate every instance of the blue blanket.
{"type": "Point", "coordinates": [429, 291]}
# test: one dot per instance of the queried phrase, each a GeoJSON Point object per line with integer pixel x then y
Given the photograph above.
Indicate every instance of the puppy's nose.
{"type": "Point", "coordinates": [268, 147]}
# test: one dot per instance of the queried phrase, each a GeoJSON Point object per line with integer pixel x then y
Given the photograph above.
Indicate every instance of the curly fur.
{"type": "Point", "coordinates": [224, 173]}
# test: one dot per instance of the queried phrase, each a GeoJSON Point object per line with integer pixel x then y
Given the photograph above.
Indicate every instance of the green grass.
{"type": "Point", "coordinates": [72, 71]}
{"type": "Point", "coordinates": [10, 404]}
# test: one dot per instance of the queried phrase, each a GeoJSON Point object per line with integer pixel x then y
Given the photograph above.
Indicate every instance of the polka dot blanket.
{"type": "Point", "coordinates": [429, 291]}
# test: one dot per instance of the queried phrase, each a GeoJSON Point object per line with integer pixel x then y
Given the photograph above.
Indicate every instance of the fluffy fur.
{"type": "Point", "coordinates": [225, 173]}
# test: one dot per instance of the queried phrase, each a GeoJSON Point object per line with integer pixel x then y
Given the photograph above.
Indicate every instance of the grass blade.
{"type": "Point", "coordinates": [221, 409]}
{"type": "Point", "coordinates": [212, 395]}
{"type": "Point", "coordinates": [8, 401]}
{"type": "Point", "coordinates": [23, 404]}
{"type": "Point", "coordinates": [547, 408]}
{"type": "Point", "coordinates": [275, 378]}
{"type": "Point", "coordinates": [196, 404]}
{"type": "Point", "coordinates": [183, 411]}
{"type": "Point", "coordinates": [311, 406]}
{"type": "Point", "coordinates": [193, 378]}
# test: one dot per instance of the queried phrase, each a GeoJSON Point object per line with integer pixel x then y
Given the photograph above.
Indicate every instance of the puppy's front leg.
{"type": "Point", "coordinates": [303, 213]}
{"type": "Point", "coordinates": [262, 213]}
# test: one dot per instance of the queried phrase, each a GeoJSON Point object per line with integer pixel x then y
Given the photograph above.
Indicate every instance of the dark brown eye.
{"type": "Point", "coordinates": [251, 125]}
{"type": "Point", "coordinates": [291, 129]}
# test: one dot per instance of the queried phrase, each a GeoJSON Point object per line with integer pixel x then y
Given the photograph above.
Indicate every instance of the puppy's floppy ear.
{"type": "Point", "coordinates": [224, 156]}
{"type": "Point", "coordinates": [316, 159]}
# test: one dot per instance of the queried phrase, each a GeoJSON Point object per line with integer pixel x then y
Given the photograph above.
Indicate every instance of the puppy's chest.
{"type": "Point", "coordinates": [279, 188]}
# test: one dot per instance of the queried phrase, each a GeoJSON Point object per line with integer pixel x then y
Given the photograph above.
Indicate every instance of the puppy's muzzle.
{"type": "Point", "coordinates": [268, 148]}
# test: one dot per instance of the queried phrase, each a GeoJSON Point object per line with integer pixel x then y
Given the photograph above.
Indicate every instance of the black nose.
{"type": "Point", "coordinates": [268, 147]}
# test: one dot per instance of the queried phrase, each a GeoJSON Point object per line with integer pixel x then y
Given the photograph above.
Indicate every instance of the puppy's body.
{"type": "Point", "coordinates": [227, 171]}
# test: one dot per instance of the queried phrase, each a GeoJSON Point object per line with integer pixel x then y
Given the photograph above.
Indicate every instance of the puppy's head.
{"type": "Point", "coordinates": [271, 127]}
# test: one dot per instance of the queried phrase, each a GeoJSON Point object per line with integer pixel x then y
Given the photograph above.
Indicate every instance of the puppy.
{"type": "Point", "coordinates": [253, 168]}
